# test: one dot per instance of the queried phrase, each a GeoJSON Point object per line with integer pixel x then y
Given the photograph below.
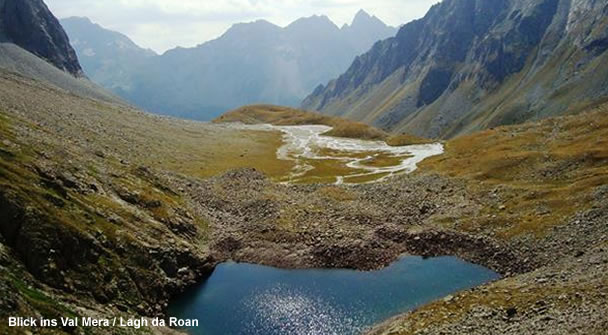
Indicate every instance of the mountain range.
{"type": "Point", "coordinates": [475, 64]}
{"type": "Point", "coordinates": [108, 212]}
{"type": "Point", "coordinates": [250, 63]}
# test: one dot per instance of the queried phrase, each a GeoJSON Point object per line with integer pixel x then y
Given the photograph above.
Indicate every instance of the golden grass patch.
{"type": "Point", "coordinates": [282, 116]}
{"type": "Point", "coordinates": [406, 139]}
{"type": "Point", "coordinates": [550, 168]}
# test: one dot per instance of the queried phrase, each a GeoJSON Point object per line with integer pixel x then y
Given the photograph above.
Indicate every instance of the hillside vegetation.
{"type": "Point", "coordinates": [547, 170]}
{"type": "Point", "coordinates": [544, 189]}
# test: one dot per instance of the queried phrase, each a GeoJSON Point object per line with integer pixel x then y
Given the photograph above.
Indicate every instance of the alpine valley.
{"type": "Point", "coordinates": [479, 132]}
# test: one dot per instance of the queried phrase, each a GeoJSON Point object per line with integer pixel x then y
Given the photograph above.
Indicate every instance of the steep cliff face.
{"type": "Point", "coordinates": [30, 25]}
{"type": "Point", "coordinates": [473, 64]}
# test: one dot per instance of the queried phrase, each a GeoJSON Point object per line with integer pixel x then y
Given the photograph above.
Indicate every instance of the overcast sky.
{"type": "Point", "coordinates": [165, 24]}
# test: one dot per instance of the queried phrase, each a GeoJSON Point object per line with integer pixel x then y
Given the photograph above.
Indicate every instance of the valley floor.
{"type": "Point", "coordinates": [110, 211]}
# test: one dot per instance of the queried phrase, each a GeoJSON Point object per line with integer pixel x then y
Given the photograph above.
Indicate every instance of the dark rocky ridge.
{"type": "Point", "coordinates": [30, 25]}
{"type": "Point", "coordinates": [473, 64]}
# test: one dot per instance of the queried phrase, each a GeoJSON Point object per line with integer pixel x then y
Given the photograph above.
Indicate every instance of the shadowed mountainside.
{"type": "Point", "coordinates": [46, 40]}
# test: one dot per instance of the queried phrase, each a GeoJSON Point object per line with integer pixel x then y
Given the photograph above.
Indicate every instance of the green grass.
{"type": "Point", "coordinates": [384, 160]}
{"type": "Point", "coordinates": [365, 179]}
{"type": "Point", "coordinates": [47, 306]}
{"type": "Point", "coordinates": [326, 171]}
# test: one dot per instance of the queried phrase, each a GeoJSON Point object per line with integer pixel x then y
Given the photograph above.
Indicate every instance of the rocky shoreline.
{"type": "Point", "coordinates": [373, 241]}
{"type": "Point", "coordinates": [343, 235]}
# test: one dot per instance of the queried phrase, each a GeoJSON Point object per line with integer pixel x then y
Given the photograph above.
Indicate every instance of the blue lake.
{"type": "Point", "coordinates": [254, 299]}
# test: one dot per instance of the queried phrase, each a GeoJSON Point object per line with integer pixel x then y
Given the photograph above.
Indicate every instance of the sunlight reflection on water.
{"type": "Point", "coordinates": [292, 312]}
{"type": "Point", "coordinates": [244, 299]}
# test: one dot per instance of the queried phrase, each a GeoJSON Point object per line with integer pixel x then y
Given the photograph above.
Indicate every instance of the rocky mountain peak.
{"type": "Point", "coordinates": [255, 28]}
{"type": "Point", "coordinates": [320, 23]}
{"type": "Point", "coordinates": [362, 16]}
{"type": "Point", "coordinates": [79, 19]}
{"type": "Point", "coordinates": [92, 37]}
{"type": "Point", "coordinates": [281, 64]}
{"type": "Point", "coordinates": [363, 21]}
{"type": "Point", "coordinates": [31, 25]}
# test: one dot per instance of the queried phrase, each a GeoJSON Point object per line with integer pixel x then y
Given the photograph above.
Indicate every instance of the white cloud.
{"type": "Point", "coordinates": [165, 24]}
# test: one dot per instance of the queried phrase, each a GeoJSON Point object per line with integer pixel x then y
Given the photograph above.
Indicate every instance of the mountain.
{"type": "Point", "coordinates": [45, 39]}
{"type": "Point", "coordinates": [33, 44]}
{"type": "Point", "coordinates": [474, 64]}
{"type": "Point", "coordinates": [363, 32]}
{"type": "Point", "coordinates": [107, 212]}
{"type": "Point", "coordinates": [250, 63]}
{"type": "Point", "coordinates": [108, 57]}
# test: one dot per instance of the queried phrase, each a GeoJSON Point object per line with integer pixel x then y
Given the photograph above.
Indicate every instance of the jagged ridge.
{"type": "Point", "coordinates": [472, 64]}
{"type": "Point", "coordinates": [251, 63]}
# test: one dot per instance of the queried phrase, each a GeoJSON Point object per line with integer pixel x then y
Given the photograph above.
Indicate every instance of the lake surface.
{"type": "Point", "coordinates": [254, 299]}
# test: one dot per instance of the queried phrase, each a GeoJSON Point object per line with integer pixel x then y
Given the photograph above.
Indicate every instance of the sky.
{"type": "Point", "coordinates": [165, 24]}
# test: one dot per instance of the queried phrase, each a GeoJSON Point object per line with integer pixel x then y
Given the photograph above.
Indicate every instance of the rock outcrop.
{"type": "Point", "coordinates": [31, 25]}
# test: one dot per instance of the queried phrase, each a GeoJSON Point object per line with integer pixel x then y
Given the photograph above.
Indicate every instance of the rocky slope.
{"type": "Point", "coordinates": [562, 222]}
{"type": "Point", "coordinates": [45, 39]}
{"type": "Point", "coordinates": [250, 63]}
{"type": "Point", "coordinates": [471, 64]}
{"type": "Point", "coordinates": [78, 228]}
{"type": "Point", "coordinates": [18, 60]}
